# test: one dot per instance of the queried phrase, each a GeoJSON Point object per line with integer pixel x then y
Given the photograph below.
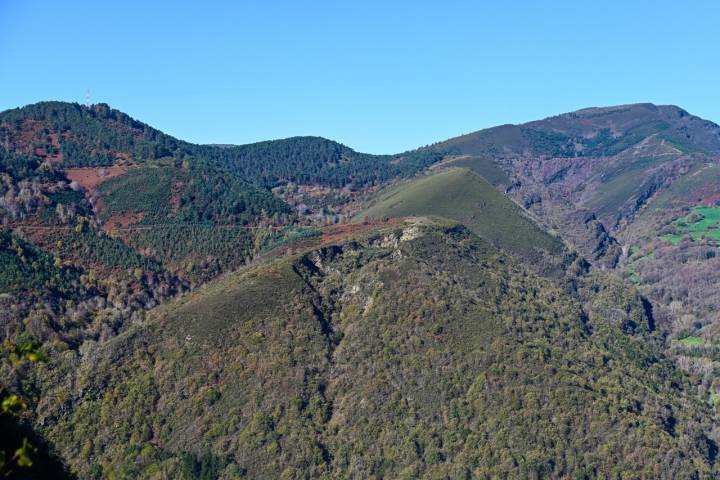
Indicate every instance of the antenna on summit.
{"type": "Point", "coordinates": [87, 98]}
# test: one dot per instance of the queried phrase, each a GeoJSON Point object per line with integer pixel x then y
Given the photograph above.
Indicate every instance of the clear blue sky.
{"type": "Point", "coordinates": [379, 76]}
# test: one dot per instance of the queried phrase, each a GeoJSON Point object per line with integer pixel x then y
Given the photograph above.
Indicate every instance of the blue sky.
{"type": "Point", "coordinates": [379, 76]}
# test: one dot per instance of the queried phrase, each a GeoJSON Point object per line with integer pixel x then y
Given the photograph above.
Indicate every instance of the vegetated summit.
{"type": "Point", "coordinates": [538, 337]}
{"type": "Point", "coordinates": [634, 188]}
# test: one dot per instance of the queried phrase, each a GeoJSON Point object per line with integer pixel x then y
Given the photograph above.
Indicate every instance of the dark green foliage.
{"type": "Point", "coordinates": [145, 189]}
{"type": "Point", "coordinates": [17, 165]}
{"type": "Point", "coordinates": [91, 136]}
{"type": "Point", "coordinates": [95, 247]}
{"type": "Point", "coordinates": [67, 197]}
{"type": "Point", "coordinates": [164, 194]}
{"type": "Point", "coordinates": [205, 467]}
{"type": "Point", "coordinates": [77, 156]}
{"type": "Point", "coordinates": [548, 143]}
{"type": "Point", "coordinates": [214, 195]}
{"type": "Point", "coordinates": [23, 266]}
{"type": "Point", "coordinates": [98, 135]}
{"type": "Point", "coordinates": [315, 160]}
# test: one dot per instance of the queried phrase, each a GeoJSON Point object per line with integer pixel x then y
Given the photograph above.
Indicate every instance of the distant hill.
{"type": "Point", "coordinates": [632, 187]}
{"type": "Point", "coordinates": [610, 160]}
{"type": "Point", "coordinates": [461, 195]}
{"type": "Point", "coordinates": [602, 131]}
{"type": "Point", "coordinates": [74, 135]}
{"type": "Point", "coordinates": [155, 192]}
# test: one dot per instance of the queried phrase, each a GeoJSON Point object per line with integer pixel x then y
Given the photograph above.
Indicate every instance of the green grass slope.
{"type": "Point", "coordinates": [415, 350]}
{"type": "Point", "coordinates": [461, 195]}
{"type": "Point", "coordinates": [483, 166]}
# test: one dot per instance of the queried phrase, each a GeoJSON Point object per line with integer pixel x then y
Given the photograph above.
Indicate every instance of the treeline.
{"type": "Point", "coordinates": [99, 135]}
{"type": "Point", "coordinates": [315, 160]}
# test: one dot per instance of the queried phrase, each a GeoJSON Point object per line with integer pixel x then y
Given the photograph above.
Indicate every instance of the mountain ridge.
{"type": "Point", "coordinates": [123, 244]}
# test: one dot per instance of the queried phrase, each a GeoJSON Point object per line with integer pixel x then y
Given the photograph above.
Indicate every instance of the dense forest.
{"type": "Point", "coordinates": [413, 350]}
{"type": "Point", "coordinates": [100, 136]}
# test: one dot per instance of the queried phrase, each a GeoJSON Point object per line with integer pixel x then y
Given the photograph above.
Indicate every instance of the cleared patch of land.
{"type": "Point", "coordinates": [692, 341]}
{"type": "Point", "coordinates": [122, 220]}
{"type": "Point", "coordinates": [700, 222]}
{"type": "Point", "coordinates": [90, 177]}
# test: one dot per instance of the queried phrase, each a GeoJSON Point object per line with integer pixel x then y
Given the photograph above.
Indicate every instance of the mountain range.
{"type": "Point", "coordinates": [525, 301]}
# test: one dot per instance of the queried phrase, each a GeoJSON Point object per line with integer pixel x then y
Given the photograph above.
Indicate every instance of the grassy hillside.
{"type": "Point", "coordinates": [461, 195]}
{"type": "Point", "coordinates": [415, 350]}
{"type": "Point", "coordinates": [483, 166]}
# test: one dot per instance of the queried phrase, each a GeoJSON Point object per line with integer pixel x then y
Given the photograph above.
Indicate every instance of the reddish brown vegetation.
{"type": "Point", "coordinates": [122, 220]}
{"type": "Point", "coordinates": [341, 232]}
{"type": "Point", "coordinates": [335, 233]}
{"type": "Point", "coordinates": [90, 177]}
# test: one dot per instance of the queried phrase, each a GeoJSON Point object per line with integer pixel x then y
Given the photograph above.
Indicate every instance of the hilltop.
{"type": "Point", "coordinates": [463, 196]}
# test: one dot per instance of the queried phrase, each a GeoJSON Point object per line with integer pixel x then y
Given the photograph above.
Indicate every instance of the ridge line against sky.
{"type": "Point", "coordinates": [379, 78]}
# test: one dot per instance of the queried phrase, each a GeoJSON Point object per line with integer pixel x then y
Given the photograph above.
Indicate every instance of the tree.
{"type": "Point", "coordinates": [22, 453]}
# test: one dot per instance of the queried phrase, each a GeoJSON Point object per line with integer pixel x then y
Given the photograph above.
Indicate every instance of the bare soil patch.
{"type": "Point", "coordinates": [90, 177]}
{"type": "Point", "coordinates": [122, 220]}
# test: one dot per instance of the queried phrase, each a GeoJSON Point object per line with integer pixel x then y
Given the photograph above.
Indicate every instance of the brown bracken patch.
{"type": "Point", "coordinates": [340, 232]}
{"type": "Point", "coordinates": [122, 220]}
{"type": "Point", "coordinates": [332, 234]}
{"type": "Point", "coordinates": [90, 177]}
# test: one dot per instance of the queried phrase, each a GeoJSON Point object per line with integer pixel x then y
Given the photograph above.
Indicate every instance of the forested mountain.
{"type": "Point", "coordinates": [130, 175]}
{"type": "Point", "coordinates": [410, 350]}
{"type": "Point", "coordinates": [286, 309]}
{"type": "Point", "coordinates": [98, 135]}
{"type": "Point", "coordinates": [633, 187]}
